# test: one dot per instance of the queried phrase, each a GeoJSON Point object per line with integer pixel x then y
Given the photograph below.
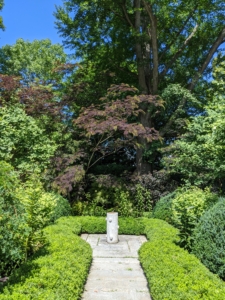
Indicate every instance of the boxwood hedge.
{"type": "Point", "coordinates": [173, 273]}
{"type": "Point", "coordinates": [60, 269]}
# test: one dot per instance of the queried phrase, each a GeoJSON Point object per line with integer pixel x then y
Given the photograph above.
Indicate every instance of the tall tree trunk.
{"type": "Point", "coordinates": [147, 85]}
{"type": "Point", "coordinates": [139, 54]}
{"type": "Point", "coordinates": [153, 37]}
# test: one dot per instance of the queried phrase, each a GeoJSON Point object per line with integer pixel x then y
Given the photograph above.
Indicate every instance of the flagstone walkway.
{"type": "Point", "coordinates": [115, 273]}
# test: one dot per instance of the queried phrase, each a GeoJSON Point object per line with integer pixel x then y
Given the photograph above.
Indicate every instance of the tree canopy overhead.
{"type": "Point", "coordinates": [171, 41]}
{"type": "Point", "coordinates": [151, 45]}
{"type": "Point", "coordinates": [32, 60]}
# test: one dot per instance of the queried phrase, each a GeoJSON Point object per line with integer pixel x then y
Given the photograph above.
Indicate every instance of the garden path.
{"type": "Point", "coordinates": [115, 273]}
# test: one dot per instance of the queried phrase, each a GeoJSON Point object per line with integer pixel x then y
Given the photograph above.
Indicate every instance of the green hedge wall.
{"type": "Point", "coordinates": [60, 269]}
{"type": "Point", "coordinates": [98, 225]}
{"type": "Point", "coordinates": [173, 273]}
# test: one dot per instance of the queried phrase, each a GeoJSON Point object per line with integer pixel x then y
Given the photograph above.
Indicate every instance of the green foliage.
{"type": "Point", "coordinates": [209, 239]}
{"type": "Point", "coordinates": [142, 200]}
{"type": "Point", "coordinates": [14, 230]}
{"type": "Point", "coordinates": [199, 155]}
{"type": "Point", "coordinates": [108, 193]}
{"type": "Point", "coordinates": [1, 20]}
{"type": "Point", "coordinates": [163, 208]}
{"type": "Point", "coordinates": [69, 223]}
{"type": "Point", "coordinates": [132, 201]}
{"type": "Point", "coordinates": [58, 271]}
{"type": "Point", "coordinates": [61, 206]}
{"type": "Point", "coordinates": [160, 230]}
{"type": "Point", "coordinates": [123, 203]}
{"type": "Point", "coordinates": [98, 225]}
{"type": "Point", "coordinates": [187, 207]}
{"type": "Point", "coordinates": [174, 54]}
{"type": "Point", "coordinates": [173, 273]}
{"type": "Point", "coordinates": [33, 60]}
{"type": "Point", "coordinates": [157, 184]}
{"type": "Point", "coordinates": [171, 96]}
{"type": "Point", "coordinates": [22, 142]}
{"type": "Point", "coordinates": [129, 225]}
{"type": "Point", "coordinates": [183, 208]}
{"type": "Point", "coordinates": [92, 224]}
{"type": "Point", "coordinates": [42, 209]}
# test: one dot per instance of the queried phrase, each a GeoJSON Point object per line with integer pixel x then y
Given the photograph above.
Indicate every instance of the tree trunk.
{"type": "Point", "coordinates": [147, 85]}
{"type": "Point", "coordinates": [140, 164]}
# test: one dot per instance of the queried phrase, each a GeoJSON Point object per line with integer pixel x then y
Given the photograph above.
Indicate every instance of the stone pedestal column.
{"type": "Point", "coordinates": [112, 227]}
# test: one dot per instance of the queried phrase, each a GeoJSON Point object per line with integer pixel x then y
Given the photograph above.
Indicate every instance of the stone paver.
{"type": "Point", "coordinates": [115, 273]}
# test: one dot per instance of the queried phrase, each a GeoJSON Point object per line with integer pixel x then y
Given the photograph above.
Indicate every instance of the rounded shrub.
{"type": "Point", "coordinates": [163, 208]}
{"type": "Point", "coordinates": [43, 208]}
{"type": "Point", "coordinates": [209, 239]}
{"type": "Point", "coordinates": [60, 206]}
{"type": "Point", "coordinates": [187, 207]}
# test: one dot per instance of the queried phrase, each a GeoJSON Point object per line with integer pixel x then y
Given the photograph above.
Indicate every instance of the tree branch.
{"type": "Point", "coordinates": [177, 54]}
{"type": "Point", "coordinates": [110, 153]}
{"type": "Point", "coordinates": [126, 15]}
{"type": "Point", "coordinates": [213, 49]}
{"type": "Point", "coordinates": [95, 148]}
{"type": "Point", "coordinates": [178, 33]}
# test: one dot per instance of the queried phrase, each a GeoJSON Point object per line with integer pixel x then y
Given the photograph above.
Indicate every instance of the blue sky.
{"type": "Point", "coordinates": [29, 19]}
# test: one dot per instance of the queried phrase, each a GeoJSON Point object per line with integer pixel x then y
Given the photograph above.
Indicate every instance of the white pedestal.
{"type": "Point", "coordinates": [112, 227]}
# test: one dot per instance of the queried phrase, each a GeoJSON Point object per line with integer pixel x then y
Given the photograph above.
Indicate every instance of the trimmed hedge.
{"type": "Point", "coordinates": [60, 269]}
{"type": "Point", "coordinates": [98, 225]}
{"type": "Point", "coordinates": [173, 273]}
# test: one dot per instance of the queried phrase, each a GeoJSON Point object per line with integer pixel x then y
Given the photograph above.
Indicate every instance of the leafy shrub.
{"type": "Point", "coordinates": [159, 230]}
{"type": "Point", "coordinates": [209, 239]}
{"type": "Point", "coordinates": [23, 143]}
{"type": "Point", "coordinates": [142, 200]}
{"type": "Point", "coordinates": [187, 208]}
{"type": "Point", "coordinates": [158, 184]}
{"type": "Point", "coordinates": [94, 206]}
{"type": "Point", "coordinates": [61, 206]}
{"type": "Point", "coordinates": [173, 273]}
{"type": "Point", "coordinates": [42, 209]}
{"type": "Point", "coordinates": [163, 208]}
{"type": "Point", "coordinates": [122, 203]}
{"type": "Point", "coordinates": [14, 230]}
{"type": "Point", "coordinates": [110, 194]}
{"type": "Point", "coordinates": [57, 271]}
